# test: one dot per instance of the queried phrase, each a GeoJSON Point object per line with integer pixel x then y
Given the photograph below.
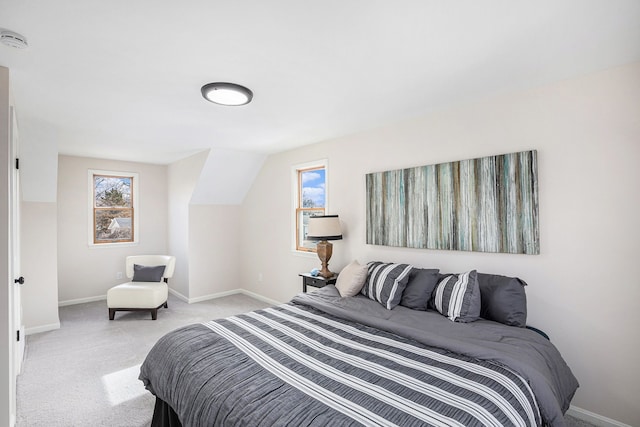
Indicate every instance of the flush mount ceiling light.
{"type": "Point", "coordinates": [227, 93]}
{"type": "Point", "coordinates": [12, 39]}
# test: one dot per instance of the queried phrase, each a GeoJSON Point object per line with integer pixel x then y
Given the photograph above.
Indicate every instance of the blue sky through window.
{"type": "Point", "coordinates": [313, 188]}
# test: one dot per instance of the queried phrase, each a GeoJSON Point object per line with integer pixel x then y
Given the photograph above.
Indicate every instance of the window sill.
{"type": "Point", "coordinates": [112, 245]}
{"type": "Point", "coordinates": [304, 254]}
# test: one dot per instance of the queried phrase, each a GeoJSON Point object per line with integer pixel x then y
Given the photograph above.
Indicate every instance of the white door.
{"type": "Point", "coordinates": [18, 327]}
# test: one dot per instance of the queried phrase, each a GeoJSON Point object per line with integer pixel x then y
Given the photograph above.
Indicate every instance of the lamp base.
{"type": "Point", "coordinates": [325, 250]}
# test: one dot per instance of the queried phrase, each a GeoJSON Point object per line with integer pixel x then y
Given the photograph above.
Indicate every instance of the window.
{"type": "Point", "coordinates": [113, 207]}
{"type": "Point", "coordinates": [310, 199]}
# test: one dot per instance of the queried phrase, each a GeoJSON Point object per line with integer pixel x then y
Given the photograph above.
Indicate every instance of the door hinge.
{"type": "Point", "coordinates": [17, 335]}
{"type": "Point", "coordinates": [17, 163]}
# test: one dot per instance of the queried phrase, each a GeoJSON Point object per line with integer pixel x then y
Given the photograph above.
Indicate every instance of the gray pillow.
{"type": "Point", "coordinates": [457, 296]}
{"type": "Point", "coordinates": [503, 299]}
{"type": "Point", "coordinates": [147, 274]}
{"type": "Point", "coordinates": [418, 292]}
{"type": "Point", "coordinates": [386, 282]}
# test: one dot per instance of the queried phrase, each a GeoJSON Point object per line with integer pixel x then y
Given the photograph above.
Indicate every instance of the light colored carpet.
{"type": "Point", "coordinates": [86, 373]}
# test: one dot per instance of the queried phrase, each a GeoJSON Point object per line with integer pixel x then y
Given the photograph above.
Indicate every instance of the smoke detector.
{"type": "Point", "coordinates": [12, 39]}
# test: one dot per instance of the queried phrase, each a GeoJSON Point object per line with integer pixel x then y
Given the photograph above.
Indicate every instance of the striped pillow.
{"type": "Point", "coordinates": [386, 282]}
{"type": "Point", "coordinates": [457, 296]}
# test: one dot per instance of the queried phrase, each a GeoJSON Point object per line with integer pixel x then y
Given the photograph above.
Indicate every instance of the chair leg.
{"type": "Point", "coordinates": [112, 313]}
{"type": "Point", "coordinates": [154, 313]}
{"type": "Point", "coordinates": [166, 305]}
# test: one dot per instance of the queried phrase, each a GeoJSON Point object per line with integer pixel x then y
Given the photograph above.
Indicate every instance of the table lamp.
{"type": "Point", "coordinates": [324, 228]}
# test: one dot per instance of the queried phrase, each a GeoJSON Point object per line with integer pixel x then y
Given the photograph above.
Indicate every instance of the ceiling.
{"type": "Point", "coordinates": [121, 79]}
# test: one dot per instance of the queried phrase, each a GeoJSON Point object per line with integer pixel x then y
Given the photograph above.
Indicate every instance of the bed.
{"type": "Point", "coordinates": [327, 360]}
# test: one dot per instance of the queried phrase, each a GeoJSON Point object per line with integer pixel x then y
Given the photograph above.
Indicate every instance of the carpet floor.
{"type": "Point", "coordinates": [86, 372]}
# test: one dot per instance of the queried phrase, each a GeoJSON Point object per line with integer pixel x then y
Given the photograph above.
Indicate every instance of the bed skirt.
{"type": "Point", "coordinates": [164, 415]}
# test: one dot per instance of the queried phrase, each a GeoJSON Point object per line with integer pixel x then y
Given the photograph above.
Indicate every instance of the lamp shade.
{"type": "Point", "coordinates": [325, 227]}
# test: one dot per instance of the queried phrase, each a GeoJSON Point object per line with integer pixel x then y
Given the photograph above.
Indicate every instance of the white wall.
{"type": "Point", "coordinates": [214, 250]}
{"type": "Point", "coordinates": [39, 262]}
{"type": "Point", "coordinates": [87, 272]}
{"type": "Point", "coordinates": [39, 164]}
{"type": "Point", "coordinates": [39, 225]}
{"type": "Point", "coordinates": [183, 177]}
{"type": "Point", "coordinates": [582, 287]}
{"type": "Point", "coordinates": [214, 186]}
{"type": "Point", "coordinates": [204, 238]}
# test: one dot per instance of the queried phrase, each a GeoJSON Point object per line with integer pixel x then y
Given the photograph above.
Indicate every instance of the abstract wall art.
{"type": "Point", "coordinates": [489, 204]}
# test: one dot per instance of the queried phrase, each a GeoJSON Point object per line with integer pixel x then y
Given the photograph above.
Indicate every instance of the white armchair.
{"type": "Point", "coordinates": [147, 290]}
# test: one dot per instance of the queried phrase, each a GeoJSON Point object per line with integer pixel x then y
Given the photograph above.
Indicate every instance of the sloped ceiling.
{"type": "Point", "coordinates": [121, 79]}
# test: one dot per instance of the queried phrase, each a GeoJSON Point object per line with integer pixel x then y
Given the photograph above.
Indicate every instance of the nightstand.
{"type": "Point", "coordinates": [316, 281]}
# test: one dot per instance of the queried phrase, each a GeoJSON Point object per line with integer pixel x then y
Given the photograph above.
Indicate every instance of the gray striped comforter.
{"type": "Point", "coordinates": [298, 365]}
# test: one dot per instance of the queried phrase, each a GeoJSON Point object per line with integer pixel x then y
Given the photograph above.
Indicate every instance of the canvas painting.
{"type": "Point", "coordinates": [489, 204]}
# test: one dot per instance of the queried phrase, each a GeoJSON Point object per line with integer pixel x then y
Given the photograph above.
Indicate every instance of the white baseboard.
{"type": "Point", "coordinates": [81, 300]}
{"type": "Point", "coordinates": [593, 418]}
{"type": "Point", "coordinates": [178, 295]}
{"type": "Point", "coordinates": [260, 297]}
{"type": "Point", "coordinates": [223, 294]}
{"type": "Point", "coordinates": [42, 328]}
{"type": "Point", "coordinates": [214, 296]}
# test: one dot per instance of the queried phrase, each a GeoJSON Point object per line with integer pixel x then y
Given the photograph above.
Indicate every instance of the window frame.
{"type": "Point", "coordinates": [134, 208]}
{"type": "Point", "coordinates": [296, 173]}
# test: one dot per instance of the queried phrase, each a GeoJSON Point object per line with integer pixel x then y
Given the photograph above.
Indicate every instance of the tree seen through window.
{"type": "Point", "coordinates": [113, 209]}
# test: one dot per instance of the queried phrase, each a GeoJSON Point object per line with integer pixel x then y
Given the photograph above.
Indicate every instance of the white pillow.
{"type": "Point", "coordinates": [351, 279]}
